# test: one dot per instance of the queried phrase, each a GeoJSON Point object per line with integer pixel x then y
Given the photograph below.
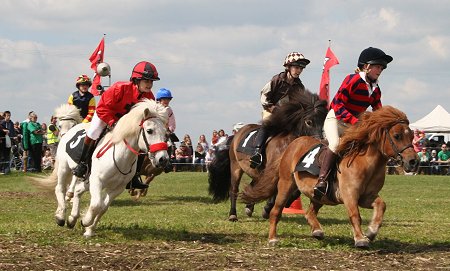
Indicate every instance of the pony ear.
{"type": "Point", "coordinates": [147, 113]}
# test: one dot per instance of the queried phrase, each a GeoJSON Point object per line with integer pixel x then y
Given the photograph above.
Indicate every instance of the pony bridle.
{"type": "Point", "coordinates": [152, 148]}
{"type": "Point", "coordinates": [398, 158]}
{"type": "Point", "coordinates": [71, 119]}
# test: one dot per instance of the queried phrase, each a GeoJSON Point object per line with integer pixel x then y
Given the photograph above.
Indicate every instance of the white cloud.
{"type": "Point", "coordinates": [439, 45]}
{"type": "Point", "coordinates": [215, 56]}
{"type": "Point", "coordinates": [389, 17]}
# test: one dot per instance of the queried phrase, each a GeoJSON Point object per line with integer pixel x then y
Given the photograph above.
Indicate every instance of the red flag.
{"type": "Point", "coordinates": [96, 58]}
{"type": "Point", "coordinates": [329, 61]}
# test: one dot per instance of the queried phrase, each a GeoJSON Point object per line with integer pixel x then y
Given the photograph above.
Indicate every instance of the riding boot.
{"type": "Point", "coordinates": [327, 165]}
{"type": "Point", "coordinates": [136, 182]}
{"type": "Point", "coordinates": [81, 168]}
{"type": "Point", "coordinates": [256, 160]}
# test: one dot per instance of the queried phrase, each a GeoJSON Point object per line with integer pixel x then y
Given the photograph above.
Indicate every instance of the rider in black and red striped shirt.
{"type": "Point", "coordinates": [357, 92]}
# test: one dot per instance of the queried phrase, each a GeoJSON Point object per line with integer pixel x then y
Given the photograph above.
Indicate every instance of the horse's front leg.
{"type": "Point", "coordinates": [79, 190]}
{"type": "Point", "coordinates": [311, 218]}
{"type": "Point", "coordinates": [96, 203]}
{"type": "Point", "coordinates": [361, 241]}
{"type": "Point", "coordinates": [60, 190]}
{"type": "Point", "coordinates": [60, 213]}
{"type": "Point", "coordinates": [379, 208]}
{"type": "Point", "coordinates": [110, 195]}
{"type": "Point", "coordinates": [285, 187]}
{"type": "Point", "coordinates": [71, 189]}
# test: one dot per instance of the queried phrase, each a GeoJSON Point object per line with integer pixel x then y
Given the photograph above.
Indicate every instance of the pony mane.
{"type": "Point", "coordinates": [68, 111]}
{"type": "Point", "coordinates": [129, 124]}
{"type": "Point", "coordinates": [289, 117]}
{"type": "Point", "coordinates": [369, 130]}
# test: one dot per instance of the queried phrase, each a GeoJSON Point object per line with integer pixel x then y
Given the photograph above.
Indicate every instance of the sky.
{"type": "Point", "coordinates": [215, 56]}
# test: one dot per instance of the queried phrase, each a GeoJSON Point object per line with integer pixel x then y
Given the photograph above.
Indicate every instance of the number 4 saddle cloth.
{"type": "Point", "coordinates": [312, 160]}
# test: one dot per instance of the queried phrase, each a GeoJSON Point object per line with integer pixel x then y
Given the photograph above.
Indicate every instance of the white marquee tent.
{"type": "Point", "coordinates": [437, 121]}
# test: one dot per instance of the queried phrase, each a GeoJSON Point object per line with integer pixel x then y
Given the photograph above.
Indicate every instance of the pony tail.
{"type": "Point", "coordinates": [219, 177]}
{"type": "Point", "coordinates": [46, 184]}
{"type": "Point", "coordinates": [264, 188]}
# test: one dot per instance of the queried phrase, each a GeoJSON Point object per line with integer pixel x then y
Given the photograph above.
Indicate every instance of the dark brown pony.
{"type": "Point", "coordinates": [150, 172]}
{"type": "Point", "coordinates": [303, 115]}
{"type": "Point", "coordinates": [364, 149]}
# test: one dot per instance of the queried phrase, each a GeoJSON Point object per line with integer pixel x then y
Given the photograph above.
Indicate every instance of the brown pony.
{"type": "Point", "coordinates": [364, 151]}
{"type": "Point", "coordinates": [303, 115]}
{"type": "Point", "coordinates": [150, 172]}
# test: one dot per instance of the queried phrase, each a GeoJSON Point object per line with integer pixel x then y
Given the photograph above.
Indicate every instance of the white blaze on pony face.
{"type": "Point", "coordinates": [155, 132]}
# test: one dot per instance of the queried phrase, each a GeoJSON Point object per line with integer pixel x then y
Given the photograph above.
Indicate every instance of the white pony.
{"type": "Point", "coordinates": [68, 115]}
{"type": "Point", "coordinates": [113, 162]}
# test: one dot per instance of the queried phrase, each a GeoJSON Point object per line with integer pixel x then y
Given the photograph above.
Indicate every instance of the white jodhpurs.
{"type": "Point", "coordinates": [96, 127]}
{"type": "Point", "coordinates": [333, 129]}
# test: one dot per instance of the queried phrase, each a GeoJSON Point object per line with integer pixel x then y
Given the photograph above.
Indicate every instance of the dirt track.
{"type": "Point", "coordinates": [17, 255]}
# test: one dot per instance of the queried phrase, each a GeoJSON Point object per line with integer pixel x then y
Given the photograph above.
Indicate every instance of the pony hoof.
{"type": "Point", "coordinates": [60, 222]}
{"type": "Point", "coordinates": [233, 218]}
{"type": "Point", "coordinates": [364, 243]}
{"type": "Point", "coordinates": [69, 195]}
{"type": "Point", "coordinates": [371, 235]}
{"type": "Point", "coordinates": [248, 212]}
{"type": "Point", "coordinates": [88, 235]}
{"type": "Point", "coordinates": [144, 192]}
{"type": "Point", "coordinates": [132, 192]}
{"type": "Point", "coordinates": [318, 234]}
{"type": "Point", "coordinates": [71, 222]}
{"type": "Point", "coordinates": [273, 242]}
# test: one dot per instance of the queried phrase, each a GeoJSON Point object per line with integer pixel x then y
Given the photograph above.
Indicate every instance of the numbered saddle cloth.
{"type": "Point", "coordinates": [310, 162]}
{"type": "Point", "coordinates": [247, 144]}
{"type": "Point", "coordinates": [74, 146]}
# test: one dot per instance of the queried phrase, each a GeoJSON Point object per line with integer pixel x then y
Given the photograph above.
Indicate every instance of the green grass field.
{"type": "Point", "coordinates": [178, 209]}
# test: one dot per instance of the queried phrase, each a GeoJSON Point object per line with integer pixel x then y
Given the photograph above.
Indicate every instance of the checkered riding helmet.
{"type": "Point", "coordinates": [83, 80]}
{"type": "Point", "coordinates": [295, 59]}
{"type": "Point", "coordinates": [144, 70]}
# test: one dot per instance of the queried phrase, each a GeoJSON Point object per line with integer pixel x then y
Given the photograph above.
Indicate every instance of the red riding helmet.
{"type": "Point", "coordinates": [144, 70]}
{"type": "Point", "coordinates": [83, 80]}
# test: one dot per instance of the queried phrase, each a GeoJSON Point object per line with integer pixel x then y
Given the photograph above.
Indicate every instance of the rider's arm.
{"type": "Point", "coordinates": [91, 111]}
{"type": "Point", "coordinates": [266, 104]}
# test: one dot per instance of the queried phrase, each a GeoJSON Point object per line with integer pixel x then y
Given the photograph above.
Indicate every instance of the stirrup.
{"type": "Point", "coordinates": [256, 160]}
{"type": "Point", "coordinates": [320, 191]}
{"type": "Point", "coordinates": [136, 183]}
{"type": "Point", "coordinates": [80, 170]}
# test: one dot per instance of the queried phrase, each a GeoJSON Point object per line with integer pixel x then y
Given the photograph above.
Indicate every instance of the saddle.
{"type": "Point", "coordinates": [311, 162]}
{"type": "Point", "coordinates": [74, 147]}
{"type": "Point", "coordinates": [247, 143]}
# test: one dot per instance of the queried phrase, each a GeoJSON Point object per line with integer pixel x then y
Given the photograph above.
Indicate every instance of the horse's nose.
{"type": "Point", "coordinates": [163, 161]}
{"type": "Point", "coordinates": [414, 164]}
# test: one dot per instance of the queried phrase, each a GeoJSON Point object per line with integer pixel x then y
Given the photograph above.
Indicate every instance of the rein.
{"type": "Point", "coordinates": [151, 148]}
{"type": "Point", "coordinates": [398, 153]}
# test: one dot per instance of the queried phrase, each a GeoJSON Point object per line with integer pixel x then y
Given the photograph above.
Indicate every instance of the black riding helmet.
{"type": "Point", "coordinates": [373, 56]}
